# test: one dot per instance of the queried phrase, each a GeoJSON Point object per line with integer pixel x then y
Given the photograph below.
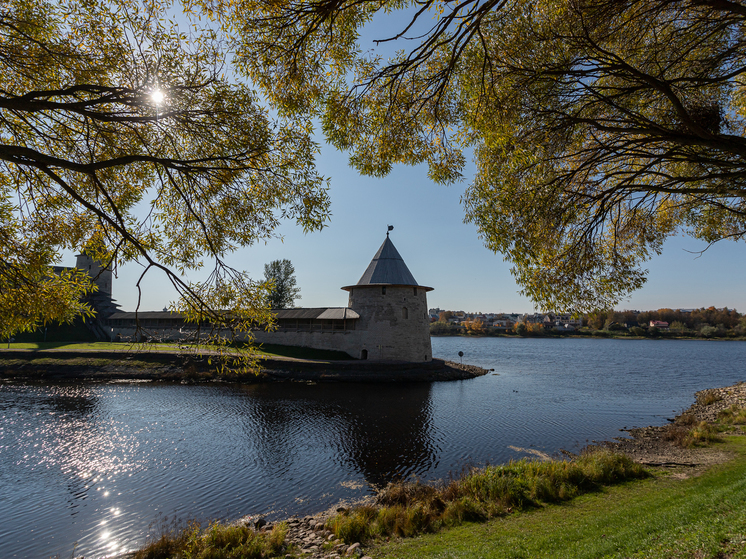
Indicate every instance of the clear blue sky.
{"type": "Point", "coordinates": [441, 252]}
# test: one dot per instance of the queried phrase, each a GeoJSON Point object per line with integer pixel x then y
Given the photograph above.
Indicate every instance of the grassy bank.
{"type": "Point", "coordinates": [265, 350]}
{"type": "Point", "coordinates": [217, 541]}
{"type": "Point", "coordinates": [662, 517]}
{"type": "Point", "coordinates": [599, 506]}
{"type": "Point", "coordinates": [409, 509]}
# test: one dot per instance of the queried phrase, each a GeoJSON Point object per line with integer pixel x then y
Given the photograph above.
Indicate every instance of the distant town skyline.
{"type": "Point", "coordinates": [441, 252]}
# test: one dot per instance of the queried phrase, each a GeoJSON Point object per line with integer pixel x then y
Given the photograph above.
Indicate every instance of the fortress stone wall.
{"type": "Point", "coordinates": [386, 318]}
{"type": "Point", "coordinates": [395, 322]}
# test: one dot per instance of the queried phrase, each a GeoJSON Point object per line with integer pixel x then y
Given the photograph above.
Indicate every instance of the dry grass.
{"type": "Point", "coordinates": [410, 508]}
{"type": "Point", "coordinates": [708, 398]}
{"type": "Point", "coordinates": [735, 415]}
{"type": "Point", "coordinates": [691, 433]}
{"type": "Point", "coordinates": [686, 419]}
{"type": "Point", "coordinates": [217, 541]}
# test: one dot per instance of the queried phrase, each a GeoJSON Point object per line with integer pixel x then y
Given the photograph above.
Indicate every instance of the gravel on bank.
{"type": "Point", "coordinates": [650, 446]}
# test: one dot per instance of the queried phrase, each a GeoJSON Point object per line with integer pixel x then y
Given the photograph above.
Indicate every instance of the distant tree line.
{"type": "Point", "coordinates": [710, 322]}
{"type": "Point", "coordinates": [724, 318]}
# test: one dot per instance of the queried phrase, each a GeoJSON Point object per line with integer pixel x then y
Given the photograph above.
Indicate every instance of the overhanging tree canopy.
{"type": "Point", "coordinates": [120, 135]}
{"type": "Point", "coordinates": [599, 127]}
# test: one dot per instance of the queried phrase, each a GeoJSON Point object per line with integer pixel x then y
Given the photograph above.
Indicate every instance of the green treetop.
{"type": "Point", "coordinates": [119, 128]}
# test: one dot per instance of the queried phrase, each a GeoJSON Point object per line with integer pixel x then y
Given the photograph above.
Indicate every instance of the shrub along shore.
{"type": "Point", "coordinates": [601, 503]}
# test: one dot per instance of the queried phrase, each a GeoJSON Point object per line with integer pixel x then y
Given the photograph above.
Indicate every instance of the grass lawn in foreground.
{"type": "Point", "coordinates": [698, 518]}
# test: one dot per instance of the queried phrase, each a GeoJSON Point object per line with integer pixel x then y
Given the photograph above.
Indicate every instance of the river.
{"type": "Point", "coordinates": [87, 467]}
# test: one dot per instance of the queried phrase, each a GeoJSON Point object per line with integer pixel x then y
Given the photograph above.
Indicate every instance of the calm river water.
{"type": "Point", "coordinates": [97, 463]}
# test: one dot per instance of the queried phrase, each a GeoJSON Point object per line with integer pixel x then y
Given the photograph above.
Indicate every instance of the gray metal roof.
{"type": "Point", "coordinates": [145, 315]}
{"type": "Point", "coordinates": [338, 314]}
{"type": "Point", "coordinates": [324, 313]}
{"type": "Point", "coordinates": [297, 313]}
{"type": "Point", "coordinates": [387, 268]}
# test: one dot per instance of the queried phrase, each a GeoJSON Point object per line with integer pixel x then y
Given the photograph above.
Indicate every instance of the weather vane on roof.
{"type": "Point", "coordinates": [391, 228]}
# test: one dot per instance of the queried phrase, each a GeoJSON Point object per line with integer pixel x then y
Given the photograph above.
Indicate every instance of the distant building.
{"type": "Point", "coordinates": [658, 324]}
{"type": "Point", "coordinates": [100, 300]}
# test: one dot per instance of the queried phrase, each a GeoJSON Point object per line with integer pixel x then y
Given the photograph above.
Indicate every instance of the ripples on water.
{"type": "Point", "coordinates": [96, 463]}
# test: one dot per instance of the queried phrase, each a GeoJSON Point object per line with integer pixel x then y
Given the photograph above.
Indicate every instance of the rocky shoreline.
{"type": "Point", "coordinates": [652, 446]}
{"type": "Point", "coordinates": [311, 538]}
{"type": "Point", "coordinates": [60, 365]}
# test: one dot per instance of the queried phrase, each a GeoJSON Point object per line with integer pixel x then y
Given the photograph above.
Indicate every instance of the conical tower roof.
{"type": "Point", "coordinates": [387, 268]}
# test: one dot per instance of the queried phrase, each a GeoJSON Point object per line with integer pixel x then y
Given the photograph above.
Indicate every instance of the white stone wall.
{"type": "Point", "coordinates": [391, 333]}
{"type": "Point", "coordinates": [348, 341]}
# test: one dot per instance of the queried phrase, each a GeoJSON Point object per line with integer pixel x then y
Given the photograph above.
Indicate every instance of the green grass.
{"type": "Point", "coordinates": [734, 415]}
{"type": "Point", "coordinates": [89, 346]}
{"type": "Point", "coordinates": [698, 518]}
{"type": "Point", "coordinates": [268, 350]}
{"type": "Point", "coordinates": [409, 509]}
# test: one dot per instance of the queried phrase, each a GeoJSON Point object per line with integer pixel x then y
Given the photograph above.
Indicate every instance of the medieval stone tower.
{"type": "Point", "coordinates": [392, 308]}
{"type": "Point", "coordinates": [101, 276]}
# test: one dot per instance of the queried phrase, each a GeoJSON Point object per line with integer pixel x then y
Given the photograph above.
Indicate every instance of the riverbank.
{"type": "Point", "coordinates": [600, 517]}
{"type": "Point", "coordinates": [700, 517]}
{"type": "Point", "coordinates": [661, 446]}
{"type": "Point", "coordinates": [652, 446]}
{"type": "Point", "coordinates": [171, 366]}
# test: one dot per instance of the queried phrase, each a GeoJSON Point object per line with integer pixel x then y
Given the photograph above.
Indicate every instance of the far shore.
{"type": "Point", "coordinates": [596, 335]}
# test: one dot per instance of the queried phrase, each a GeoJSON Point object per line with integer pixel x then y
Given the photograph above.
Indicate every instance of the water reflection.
{"type": "Point", "coordinates": [60, 455]}
{"type": "Point", "coordinates": [383, 432]}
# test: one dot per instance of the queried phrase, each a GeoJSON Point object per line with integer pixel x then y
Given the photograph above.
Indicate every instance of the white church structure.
{"type": "Point", "coordinates": [386, 318]}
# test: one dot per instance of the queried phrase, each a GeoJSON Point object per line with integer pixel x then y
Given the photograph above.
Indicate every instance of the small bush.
{"type": "Point", "coordinates": [734, 415]}
{"type": "Point", "coordinates": [703, 434]}
{"type": "Point", "coordinates": [707, 331]}
{"type": "Point", "coordinates": [353, 526]}
{"type": "Point", "coordinates": [403, 493]}
{"type": "Point", "coordinates": [708, 398]}
{"type": "Point", "coordinates": [464, 509]}
{"type": "Point", "coordinates": [698, 434]}
{"type": "Point", "coordinates": [686, 419]}
{"type": "Point", "coordinates": [164, 547]}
